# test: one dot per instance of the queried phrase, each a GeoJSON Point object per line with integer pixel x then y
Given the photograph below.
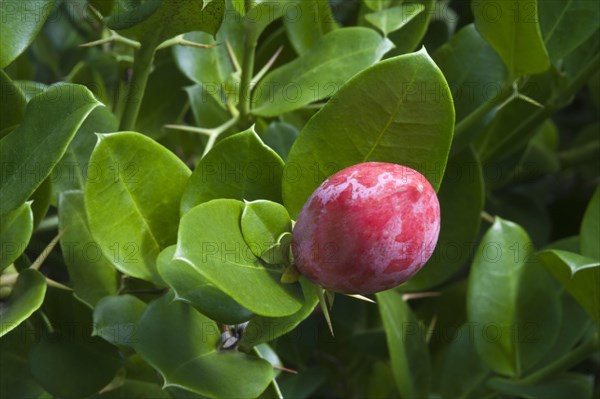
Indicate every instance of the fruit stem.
{"type": "Point", "coordinates": [142, 64]}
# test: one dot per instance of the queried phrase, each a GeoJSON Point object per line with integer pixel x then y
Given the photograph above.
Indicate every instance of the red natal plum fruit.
{"type": "Point", "coordinates": [367, 228]}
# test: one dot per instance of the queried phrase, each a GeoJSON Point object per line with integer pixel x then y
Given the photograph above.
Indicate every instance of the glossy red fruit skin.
{"type": "Point", "coordinates": [367, 228]}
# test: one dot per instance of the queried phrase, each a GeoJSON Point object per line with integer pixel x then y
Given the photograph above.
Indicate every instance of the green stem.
{"type": "Point", "coordinates": [564, 363]}
{"type": "Point", "coordinates": [579, 155]}
{"type": "Point", "coordinates": [142, 64]}
{"type": "Point", "coordinates": [250, 41]}
{"type": "Point", "coordinates": [555, 103]}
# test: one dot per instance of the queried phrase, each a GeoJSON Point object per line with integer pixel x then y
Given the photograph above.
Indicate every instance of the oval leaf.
{"type": "Point", "coordinates": [511, 300]}
{"type": "Point", "coordinates": [189, 286]}
{"type": "Point", "coordinates": [30, 151]}
{"type": "Point", "coordinates": [181, 343]}
{"type": "Point", "coordinates": [133, 203]}
{"type": "Point", "coordinates": [15, 232]}
{"type": "Point", "coordinates": [579, 275]}
{"type": "Point", "coordinates": [263, 222]}
{"type": "Point", "coordinates": [512, 28]}
{"type": "Point", "coordinates": [25, 298]}
{"type": "Point", "coordinates": [210, 240]}
{"type": "Point", "coordinates": [411, 363]}
{"type": "Point", "coordinates": [319, 72]}
{"type": "Point", "coordinates": [409, 120]}
{"type": "Point", "coordinates": [21, 22]}
{"type": "Point", "coordinates": [93, 276]}
{"type": "Point", "coordinates": [238, 167]}
{"type": "Point", "coordinates": [394, 18]}
{"type": "Point", "coordinates": [115, 319]}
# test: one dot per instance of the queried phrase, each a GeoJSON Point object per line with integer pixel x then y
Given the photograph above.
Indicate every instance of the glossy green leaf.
{"type": "Point", "coordinates": [30, 151]}
{"type": "Point", "coordinates": [410, 36]}
{"type": "Point", "coordinates": [264, 329]}
{"type": "Point", "coordinates": [182, 345]}
{"type": "Point", "coordinates": [21, 22]}
{"type": "Point", "coordinates": [155, 21]}
{"type": "Point", "coordinates": [463, 369]}
{"type": "Point", "coordinates": [461, 199]}
{"type": "Point", "coordinates": [317, 74]}
{"type": "Point", "coordinates": [208, 111]}
{"type": "Point", "coordinates": [567, 24]}
{"type": "Point", "coordinates": [191, 287]}
{"type": "Point", "coordinates": [130, 217]}
{"type": "Point", "coordinates": [579, 275]}
{"type": "Point", "coordinates": [590, 228]}
{"type": "Point", "coordinates": [474, 72]}
{"type": "Point", "coordinates": [566, 385]}
{"type": "Point", "coordinates": [13, 103]}
{"type": "Point", "coordinates": [307, 22]}
{"type": "Point", "coordinates": [280, 137]}
{"type": "Point", "coordinates": [408, 119]}
{"type": "Point", "coordinates": [511, 300]}
{"type": "Point", "coordinates": [211, 242]}
{"type": "Point", "coordinates": [71, 368]}
{"type": "Point", "coordinates": [393, 18]}
{"type": "Point", "coordinates": [25, 298]}
{"type": "Point", "coordinates": [15, 232]}
{"type": "Point", "coordinates": [115, 319]}
{"type": "Point", "coordinates": [238, 167]}
{"type": "Point", "coordinates": [15, 379]}
{"type": "Point", "coordinates": [512, 28]}
{"type": "Point", "coordinates": [263, 222]}
{"type": "Point", "coordinates": [92, 274]}
{"type": "Point", "coordinates": [136, 389]}
{"type": "Point", "coordinates": [74, 167]}
{"type": "Point", "coordinates": [41, 198]}
{"type": "Point", "coordinates": [411, 363]}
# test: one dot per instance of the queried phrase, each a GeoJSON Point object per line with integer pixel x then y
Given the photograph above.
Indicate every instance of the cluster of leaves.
{"type": "Point", "coordinates": [170, 173]}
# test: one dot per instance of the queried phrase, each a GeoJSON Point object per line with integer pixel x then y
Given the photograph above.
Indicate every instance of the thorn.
{"type": "Point", "coordinates": [325, 310]}
{"type": "Point", "coordinates": [42, 257]}
{"type": "Point", "coordinates": [362, 298]}
{"type": "Point", "coordinates": [266, 68]}
{"type": "Point", "coordinates": [234, 60]}
{"type": "Point", "coordinates": [285, 369]}
{"type": "Point", "coordinates": [418, 295]}
{"type": "Point", "coordinates": [431, 328]}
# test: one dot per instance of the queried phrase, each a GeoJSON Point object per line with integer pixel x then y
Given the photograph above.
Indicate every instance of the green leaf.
{"type": "Point", "coordinates": [307, 22]}
{"type": "Point", "coordinates": [409, 120]}
{"type": "Point", "coordinates": [462, 370]}
{"type": "Point", "coordinates": [191, 287]}
{"type": "Point", "coordinates": [71, 368]}
{"type": "Point", "coordinates": [30, 151]}
{"type": "Point", "coordinates": [590, 228]}
{"type": "Point", "coordinates": [409, 37]}
{"type": "Point", "coordinates": [155, 21]}
{"type": "Point", "coordinates": [13, 103]}
{"type": "Point", "coordinates": [264, 329]}
{"type": "Point", "coordinates": [21, 22]}
{"type": "Point", "coordinates": [566, 385]}
{"type": "Point", "coordinates": [15, 232]}
{"type": "Point", "coordinates": [133, 203]}
{"type": "Point", "coordinates": [579, 275]}
{"type": "Point", "coordinates": [513, 30]}
{"type": "Point", "coordinates": [511, 300]}
{"type": "Point", "coordinates": [211, 242]}
{"type": "Point", "coordinates": [394, 18]}
{"type": "Point", "coordinates": [263, 222]}
{"type": "Point", "coordinates": [41, 201]}
{"type": "Point", "coordinates": [208, 111]}
{"type": "Point", "coordinates": [238, 167]}
{"type": "Point", "coordinates": [74, 167]}
{"type": "Point", "coordinates": [318, 74]}
{"type": "Point", "coordinates": [567, 24]}
{"type": "Point", "coordinates": [182, 345]}
{"type": "Point", "coordinates": [16, 380]}
{"type": "Point", "coordinates": [411, 363]}
{"type": "Point", "coordinates": [25, 298]}
{"type": "Point", "coordinates": [280, 137]}
{"type": "Point", "coordinates": [474, 72]}
{"type": "Point", "coordinates": [461, 199]}
{"type": "Point", "coordinates": [92, 274]}
{"type": "Point", "coordinates": [115, 319]}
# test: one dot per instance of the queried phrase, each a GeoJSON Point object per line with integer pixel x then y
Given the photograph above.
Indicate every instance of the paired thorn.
{"type": "Point", "coordinates": [254, 81]}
